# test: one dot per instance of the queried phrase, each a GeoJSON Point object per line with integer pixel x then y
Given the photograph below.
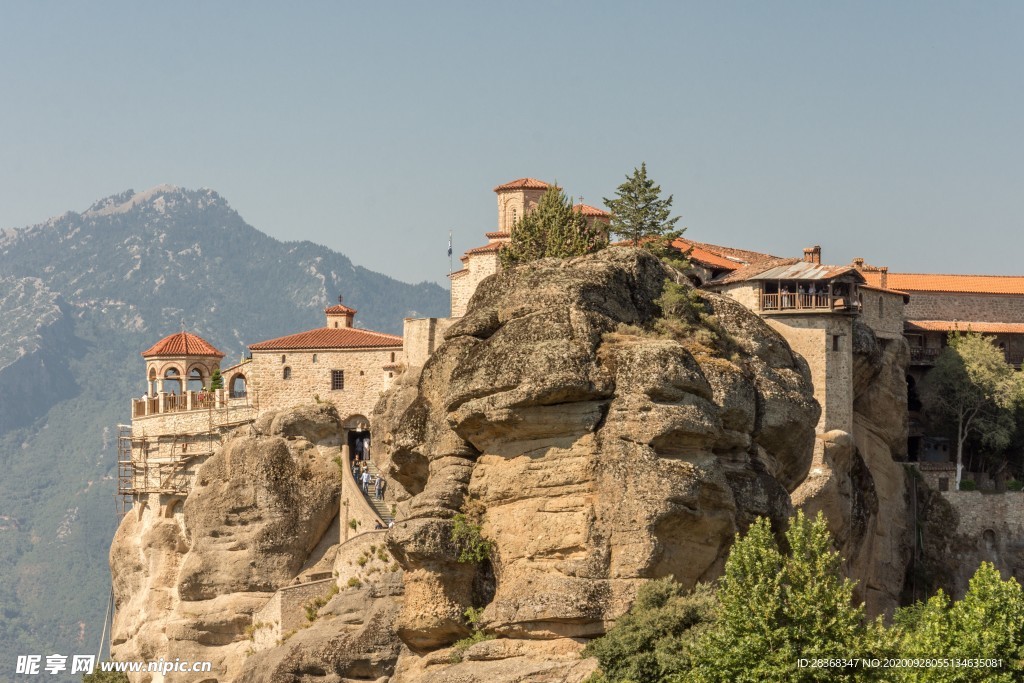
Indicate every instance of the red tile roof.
{"type": "Point", "coordinates": [964, 284]}
{"type": "Point", "coordinates": [182, 344]}
{"type": "Point", "coordinates": [498, 234]}
{"type": "Point", "coordinates": [704, 257]}
{"type": "Point", "coordinates": [493, 246]}
{"type": "Point", "coordinates": [964, 326]}
{"type": "Point", "coordinates": [588, 210]}
{"type": "Point", "coordinates": [339, 308]}
{"type": "Point", "coordinates": [905, 295]}
{"type": "Point", "coordinates": [523, 184]}
{"type": "Point", "coordinates": [330, 338]}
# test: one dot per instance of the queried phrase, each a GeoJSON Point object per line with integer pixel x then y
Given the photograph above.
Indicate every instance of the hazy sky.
{"type": "Point", "coordinates": [887, 130]}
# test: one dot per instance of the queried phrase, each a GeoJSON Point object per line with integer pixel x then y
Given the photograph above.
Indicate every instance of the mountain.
{"type": "Point", "coordinates": [80, 296]}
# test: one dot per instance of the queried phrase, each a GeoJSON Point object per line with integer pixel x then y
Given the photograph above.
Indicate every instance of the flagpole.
{"type": "Point", "coordinates": [449, 254]}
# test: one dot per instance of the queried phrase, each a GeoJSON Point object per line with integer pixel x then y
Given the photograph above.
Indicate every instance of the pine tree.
{"type": "Point", "coordinates": [216, 380]}
{"type": "Point", "coordinates": [639, 214]}
{"type": "Point", "coordinates": [554, 228]}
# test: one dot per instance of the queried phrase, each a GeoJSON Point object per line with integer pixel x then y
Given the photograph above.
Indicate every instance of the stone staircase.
{"type": "Point", "coordinates": [383, 508]}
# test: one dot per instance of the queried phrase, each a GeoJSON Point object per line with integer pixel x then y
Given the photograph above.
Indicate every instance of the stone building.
{"type": "Point", "coordinates": [515, 199]}
{"type": "Point", "coordinates": [337, 363]}
{"type": "Point", "coordinates": [813, 306]}
{"type": "Point", "coordinates": [178, 422]}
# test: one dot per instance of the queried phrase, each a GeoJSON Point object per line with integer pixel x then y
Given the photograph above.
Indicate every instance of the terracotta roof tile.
{"type": "Point", "coordinates": [330, 338]}
{"type": "Point", "coordinates": [905, 295]}
{"type": "Point", "coordinates": [523, 184]}
{"type": "Point", "coordinates": [492, 247]}
{"type": "Point", "coordinates": [339, 308]}
{"type": "Point", "coordinates": [182, 344]}
{"type": "Point", "coordinates": [973, 284]}
{"type": "Point", "coordinates": [588, 210]}
{"type": "Point", "coordinates": [963, 326]}
{"type": "Point", "coordinates": [704, 257]}
{"type": "Point", "coordinates": [498, 234]}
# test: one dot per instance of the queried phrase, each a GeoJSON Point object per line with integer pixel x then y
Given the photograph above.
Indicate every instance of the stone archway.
{"type": "Point", "coordinates": [357, 435]}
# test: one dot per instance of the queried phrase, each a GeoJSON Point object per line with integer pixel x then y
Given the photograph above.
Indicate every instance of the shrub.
{"type": "Point", "coordinates": [1014, 485]}
{"type": "Point", "coordinates": [473, 548]}
{"type": "Point", "coordinates": [478, 636]}
{"type": "Point", "coordinates": [968, 485]}
{"type": "Point", "coordinates": [354, 583]}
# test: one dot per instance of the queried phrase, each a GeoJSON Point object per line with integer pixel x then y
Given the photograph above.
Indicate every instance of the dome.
{"type": "Point", "coordinates": [182, 344]}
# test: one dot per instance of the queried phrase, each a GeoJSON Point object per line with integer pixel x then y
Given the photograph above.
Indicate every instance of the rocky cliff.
{"type": "Point", "coordinates": [592, 445]}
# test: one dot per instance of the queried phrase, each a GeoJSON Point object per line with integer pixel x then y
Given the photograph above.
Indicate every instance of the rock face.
{"type": "Point", "coordinates": [857, 481]}
{"type": "Point", "coordinates": [595, 453]}
{"type": "Point", "coordinates": [187, 578]}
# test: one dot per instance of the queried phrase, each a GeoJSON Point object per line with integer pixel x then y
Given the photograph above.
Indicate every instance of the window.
{"type": "Point", "coordinates": [282, 358]}
{"type": "Point", "coordinates": [881, 307]}
{"type": "Point", "coordinates": [943, 483]}
{"type": "Point", "coordinates": [337, 380]}
{"type": "Point", "coordinates": [314, 357]}
{"type": "Point", "coordinates": [392, 356]}
{"type": "Point", "coordinates": [287, 374]}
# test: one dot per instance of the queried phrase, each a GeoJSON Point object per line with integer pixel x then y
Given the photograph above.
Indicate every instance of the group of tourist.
{"type": "Point", "coordinates": [369, 484]}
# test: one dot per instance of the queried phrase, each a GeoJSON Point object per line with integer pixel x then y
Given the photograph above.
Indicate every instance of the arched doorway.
{"type": "Point", "coordinates": [237, 386]}
{"type": "Point", "coordinates": [357, 435]}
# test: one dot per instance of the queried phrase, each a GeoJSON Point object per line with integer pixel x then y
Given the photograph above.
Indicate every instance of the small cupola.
{"type": "Point", "coordinates": [339, 315]}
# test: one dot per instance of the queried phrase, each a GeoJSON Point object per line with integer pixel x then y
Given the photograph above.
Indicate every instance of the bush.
{"type": "Point", "coordinates": [478, 636]}
{"type": "Point", "coordinates": [354, 583]}
{"type": "Point", "coordinates": [968, 485]}
{"type": "Point", "coordinates": [473, 548]}
{"type": "Point", "coordinates": [1014, 485]}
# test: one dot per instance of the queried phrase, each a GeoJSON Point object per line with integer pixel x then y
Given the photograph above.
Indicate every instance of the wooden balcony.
{"type": "Point", "coordinates": [800, 301]}
{"type": "Point", "coordinates": [920, 355]}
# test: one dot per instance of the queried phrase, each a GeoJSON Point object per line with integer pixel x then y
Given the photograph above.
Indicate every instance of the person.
{"type": "Point", "coordinates": [378, 525]}
{"type": "Point", "coordinates": [366, 447]}
{"type": "Point", "coordinates": [355, 470]}
{"type": "Point", "coordinates": [380, 488]}
{"type": "Point", "coordinates": [366, 481]}
{"type": "Point", "coordinates": [391, 524]}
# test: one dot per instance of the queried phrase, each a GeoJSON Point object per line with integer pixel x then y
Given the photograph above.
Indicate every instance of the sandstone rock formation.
{"type": "Point", "coordinates": [857, 481]}
{"type": "Point", "coordinates": [596, 453]}
{"type": "Point", "coordinates": [187, 578]}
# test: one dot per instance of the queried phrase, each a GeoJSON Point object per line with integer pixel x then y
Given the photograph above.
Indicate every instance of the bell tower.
{"type": "Point", "coordinates": [516, 199]}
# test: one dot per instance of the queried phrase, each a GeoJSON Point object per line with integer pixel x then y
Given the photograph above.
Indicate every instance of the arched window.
{"type": "Point", "coordinates": [392, 356]}
{"type": "Point", "coordinates": [195, 379]}
{"type": "Point", "coordinates": [314, 357]}
{"type": "Point", "coordinates": [335, 323]}
{"type": "Point", "coordinates": [282, 358]}
{"type": "Point", "coordinates": [172, 381]}
{"type": "Point", "coordinates": [513, 217]}
{"type": "Point", "coordinates": [287, 374]}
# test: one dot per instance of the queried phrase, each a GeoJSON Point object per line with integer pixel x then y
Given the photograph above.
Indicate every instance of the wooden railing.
{"type": "Point", "coordinates": [192, 400]}
{"type": "Point", "coordinates": [919, 354]}
{"type": "Point", "coordinates": [800, 301]}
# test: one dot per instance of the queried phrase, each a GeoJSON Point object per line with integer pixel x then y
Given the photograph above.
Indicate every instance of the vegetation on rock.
{"type": "Point", "coordinates": [473, 548]}
{"type": "Point", "coordinates": [972, 394]}
{"type": "Point", "coordinates": [774, 608]}
{"type": "Point", "coordinates": [554, 228]}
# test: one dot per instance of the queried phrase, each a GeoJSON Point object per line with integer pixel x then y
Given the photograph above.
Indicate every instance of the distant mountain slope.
{"type": "Point", "coordinates": [80, 296]}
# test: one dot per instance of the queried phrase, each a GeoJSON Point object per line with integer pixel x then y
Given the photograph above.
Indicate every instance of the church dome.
{"type": "Point", "coordinates": [182, 344]}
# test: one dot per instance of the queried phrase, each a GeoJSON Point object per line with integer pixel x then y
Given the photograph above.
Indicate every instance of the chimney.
{"type": "Point", "coordinates": [858, 263]}
{"type": "Point", "coordinates": [885, 277]}
{"type": "Point", "coordinates": [812, 254]}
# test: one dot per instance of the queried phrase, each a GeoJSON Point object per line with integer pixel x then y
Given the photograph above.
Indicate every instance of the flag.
{"type": "Point", "coordinates": [449, 245]}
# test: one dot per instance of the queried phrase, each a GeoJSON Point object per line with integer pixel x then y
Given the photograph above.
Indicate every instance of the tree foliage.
{"type": "Point", "coordinates": [639, 214]}
{"type": "Point", "coordinates": [554, 228]}
{"type": "Point", "coordinates": [974, 391]}
{"type": "Point", "coordinates": [656, 638]}
{"type": "Point", "coordinates": [216, 380]}
{"type": "Point", "coordinates": [778, 608]}
{"type": "Point", "coordinates": [988, 624]}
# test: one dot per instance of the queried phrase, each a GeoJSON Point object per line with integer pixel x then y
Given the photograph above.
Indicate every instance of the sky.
{"type": "Point", "coordinates": [885, 130]}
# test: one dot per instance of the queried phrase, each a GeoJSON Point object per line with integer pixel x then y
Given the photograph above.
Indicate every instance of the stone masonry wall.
{"type": "Point", "coordinates": [286, 612]}
{"type": "Point", "coordinates": [883, 312]}
{"type": "Point", "coordinates": [747, 294]}
{"type": "Point", "coordinates": [365, 378]}
{"type": "Point", "coordinates": [478, 267]}
{"type": "Point", "coordinates": [421, 336]}
{"type": "Point", "coordinates": [811, 336]}
{"type": "Point", "coordinates": [980, 307]}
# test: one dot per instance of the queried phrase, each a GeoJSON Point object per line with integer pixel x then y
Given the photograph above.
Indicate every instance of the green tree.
{"type": "Point", "coordinates": [554, 228]}
{"type": "Point", "coordinates": [639, 214]}
{"type": "Point", "coordinates": [988, 624]}
{"type": "Point", "coordinates": [655, 639]}
{"type": "Point", "coordinates": [974, 391]}
{"type": "Point", "coordinates": [105, 676]}
{"type": "Point", "coordinates": [777, 608]}
{"type": "Point", "coordinates": [216, 380]}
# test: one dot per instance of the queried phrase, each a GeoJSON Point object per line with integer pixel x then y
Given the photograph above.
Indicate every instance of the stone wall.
{"type": "Point", "coordinates": [746, 293]}
{"type": "Point", "coordinates": [286, 612]}
{"type": "Point", "coordinates": [193, 421]}
{"type": "Point", "coordinates": [1002, 308]}
{"type": "Point", "coordinates": [421, 336]}
{"type": "Point", "coordinates": [364, 558]}
{"type": "Point", "coordinates": [883, 312]}
{"type": "Point", "coordinates": [478, 266]}
{"type": "Point", "coordinates": [825, 341]}
{"type": "Point", "coordinates": [365, 378]}
{"type": "Point", "coordinates": [514, 204]}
